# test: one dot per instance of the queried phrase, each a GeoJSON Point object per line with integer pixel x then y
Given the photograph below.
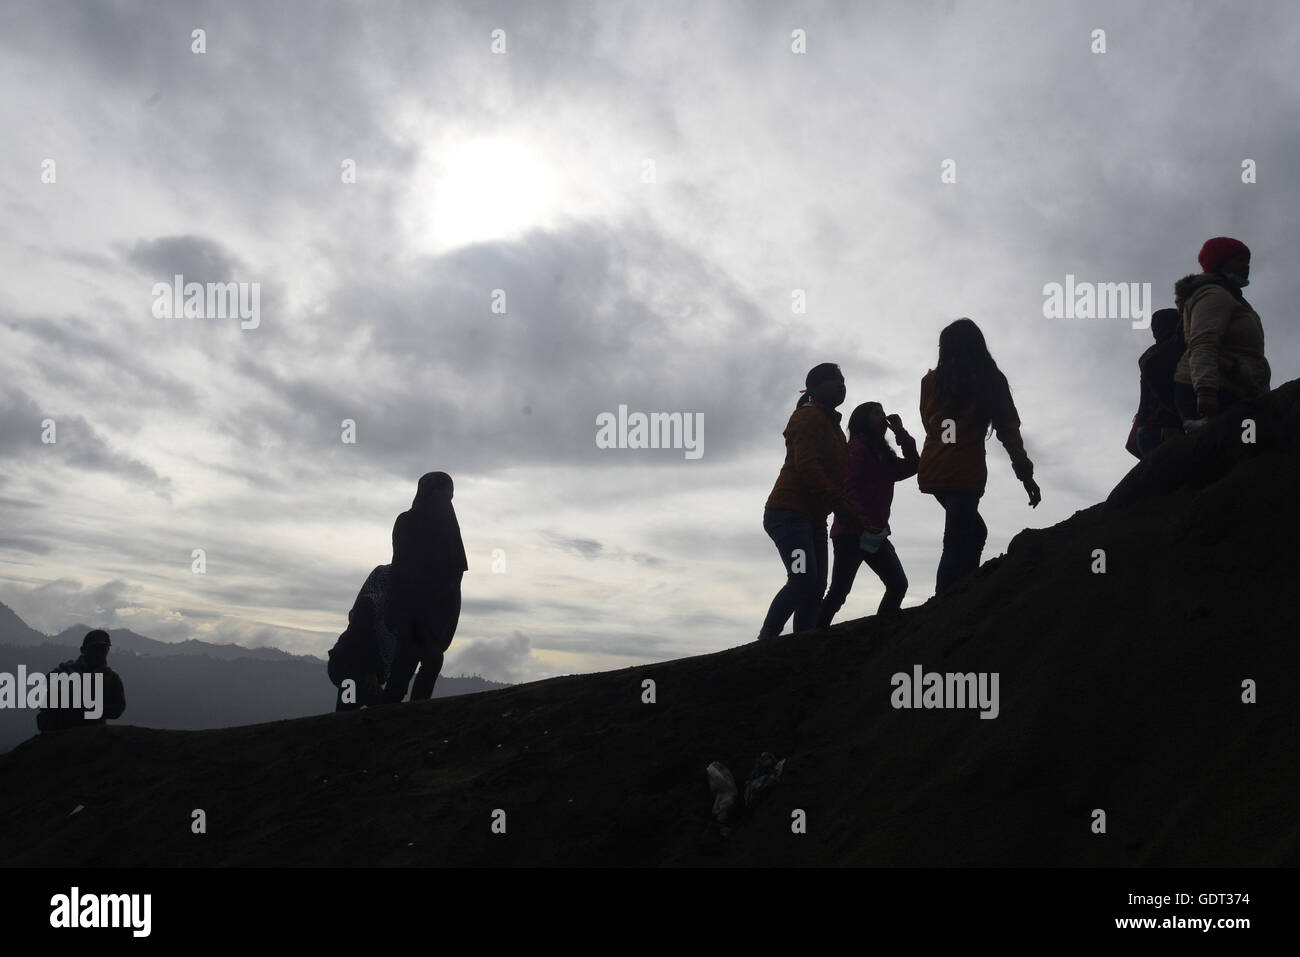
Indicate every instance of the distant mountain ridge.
{"type": "Point", "coordinates": [124, 639]}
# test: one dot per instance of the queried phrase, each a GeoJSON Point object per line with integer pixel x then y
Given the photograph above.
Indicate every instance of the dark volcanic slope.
{"type": "Point", "coordinates": [1119, 691]}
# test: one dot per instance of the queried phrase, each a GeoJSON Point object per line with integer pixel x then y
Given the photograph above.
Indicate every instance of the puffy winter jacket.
{"type": "Point", "coordinates": [1225, 339]}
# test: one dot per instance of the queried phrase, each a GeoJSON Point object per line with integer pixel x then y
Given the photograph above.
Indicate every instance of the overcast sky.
{"type": "Point", "coordinates": [648, 185]}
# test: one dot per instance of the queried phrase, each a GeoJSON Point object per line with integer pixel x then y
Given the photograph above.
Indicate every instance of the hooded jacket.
{"type": "Point", "coordinates": [816, 454]}
{"type": "Point", "coordinates": [1225, 339]}
{"type": "Point", "coordinates": [959, 466]}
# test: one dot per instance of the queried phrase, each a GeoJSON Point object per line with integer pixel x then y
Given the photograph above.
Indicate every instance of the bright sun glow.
{"type": "Point", "coordinates": [477, 190]}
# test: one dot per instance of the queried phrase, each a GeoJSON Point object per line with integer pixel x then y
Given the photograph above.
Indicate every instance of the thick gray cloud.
{"type": "Point", "coordinates": [76, 443]}
{"type": "Point", "coordinates": [586, 547]}
{"type": "Point", "coordinates": [490, 390]}
{"type": "Point", "coordinates": [194, 257]}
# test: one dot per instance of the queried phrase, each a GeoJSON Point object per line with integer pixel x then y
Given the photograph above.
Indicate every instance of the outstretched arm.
{"type": "Point", "coordinates": [1007, 426]}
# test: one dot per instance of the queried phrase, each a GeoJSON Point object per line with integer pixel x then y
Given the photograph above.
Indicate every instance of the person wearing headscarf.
{"type": "Point", "coordinates": [424, 587]}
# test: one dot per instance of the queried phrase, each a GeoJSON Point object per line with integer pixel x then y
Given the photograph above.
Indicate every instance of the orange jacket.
{"type": "Point", "coordinates": [959, 466]}
{"type": "Point", "coordinates": [816, 455]}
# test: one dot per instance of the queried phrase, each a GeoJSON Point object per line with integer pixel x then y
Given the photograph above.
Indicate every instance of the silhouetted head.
{"type": "Point", "coordinates": [1227, 257]}
{"type": "Point", "coordinates": [1164, 323]}
{"type": "Point", "coordinates": [868, 422]}
{"type": "Point", "coordinates": [824, 384]}
{"type": "Point", "coordinates": [94, 647]}
{"type": "Point", "coordinates": [966, 372]}
{"type": "Point", "coordinates": [433, 486]}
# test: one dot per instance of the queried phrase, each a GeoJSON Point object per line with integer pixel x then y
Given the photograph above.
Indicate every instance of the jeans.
{"type": "Point", "coordinates": [849, 556]}
{"type": "Point", "coordinates": [802, 548]}
{"type": "Point", "coordinates": [964, 534]}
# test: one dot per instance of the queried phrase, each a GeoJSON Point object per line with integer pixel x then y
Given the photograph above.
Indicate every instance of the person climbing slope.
{"type": "Point", "coordinates": [873, 468]}
{"type": "Point", "coordinates": [424, 587]}
{"type": "Point", "coordinates": [961, 398]}
{"type": "Point", "coordinates": [1224, 362]}
{"type": "Point", "coordinates": [809, 487]}
{"type": "Point", "coordinates": [364, 652]}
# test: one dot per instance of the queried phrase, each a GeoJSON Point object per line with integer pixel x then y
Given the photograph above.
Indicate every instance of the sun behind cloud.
{"type": "Point", "coordinates": [480, 189]}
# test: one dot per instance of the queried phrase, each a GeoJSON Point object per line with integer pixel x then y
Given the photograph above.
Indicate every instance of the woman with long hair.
{"type": "Point", "coordinates": [873, 468]}
{"type": "Point", "coordinates": [961, 398]}
{"type": "Point", "coordinates": [809, 487]}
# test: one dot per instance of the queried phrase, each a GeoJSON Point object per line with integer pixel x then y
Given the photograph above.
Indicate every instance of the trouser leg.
{"type": "Point", "coordinates": [792, 534]}
{"type": "Point", "coordinates": [806, 612]}
{"type": "Point", "coordinates": [437, 631]}
{"type": "Point", "coordinates": [405, 660]}
{"type": "Point", "coordinates": [848, 558]}
{"type": "Point", "coordinates": [884, 562]}
{"type": "Point", "coordinates": [964, 534]}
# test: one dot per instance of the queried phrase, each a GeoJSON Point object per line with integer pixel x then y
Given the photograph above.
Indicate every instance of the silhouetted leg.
{"type": "Point", "coordinates": [404, 662]}
{"type": "Point", "coordinates": [427, 677]}
{"type": "Point", "coordinates": [848, 559]}
{"type": "Point", "coordinates": [436, 635]}
{"type": "Point", "coordinates": [981, 535]}
{"type": "Point", "coordinates": [792, 533]}
{"type": "Point", "coordinates": [964, 534]}
{"type": "Point", "coordinates": [805, 614]}
{"type": "Point", "coordinates": [943, 574]}
{"type": "Point", "coordinates": [884, 562]}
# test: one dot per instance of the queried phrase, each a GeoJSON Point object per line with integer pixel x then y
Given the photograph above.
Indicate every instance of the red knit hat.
{"type": "Point", "coordinates": [1219, 250]}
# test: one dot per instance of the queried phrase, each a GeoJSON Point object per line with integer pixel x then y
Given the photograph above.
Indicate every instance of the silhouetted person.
{"type": "Point", "coordinates": [873, 468]}
{"type": "Point", "coordinates": [961, 397]}
{"type": "Point", "coordinates": [1157, 416]}
{"type": "Point", "coordinates": [1224, 362]}
{"type": "Point", "coordinates": [424, 587]}
{"type": "Point", "coordinates": [365, 651]}
{"type": "Point", "coordinates": [809, 487]}
{"type": "Point", "coordinates": [93, 660]}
